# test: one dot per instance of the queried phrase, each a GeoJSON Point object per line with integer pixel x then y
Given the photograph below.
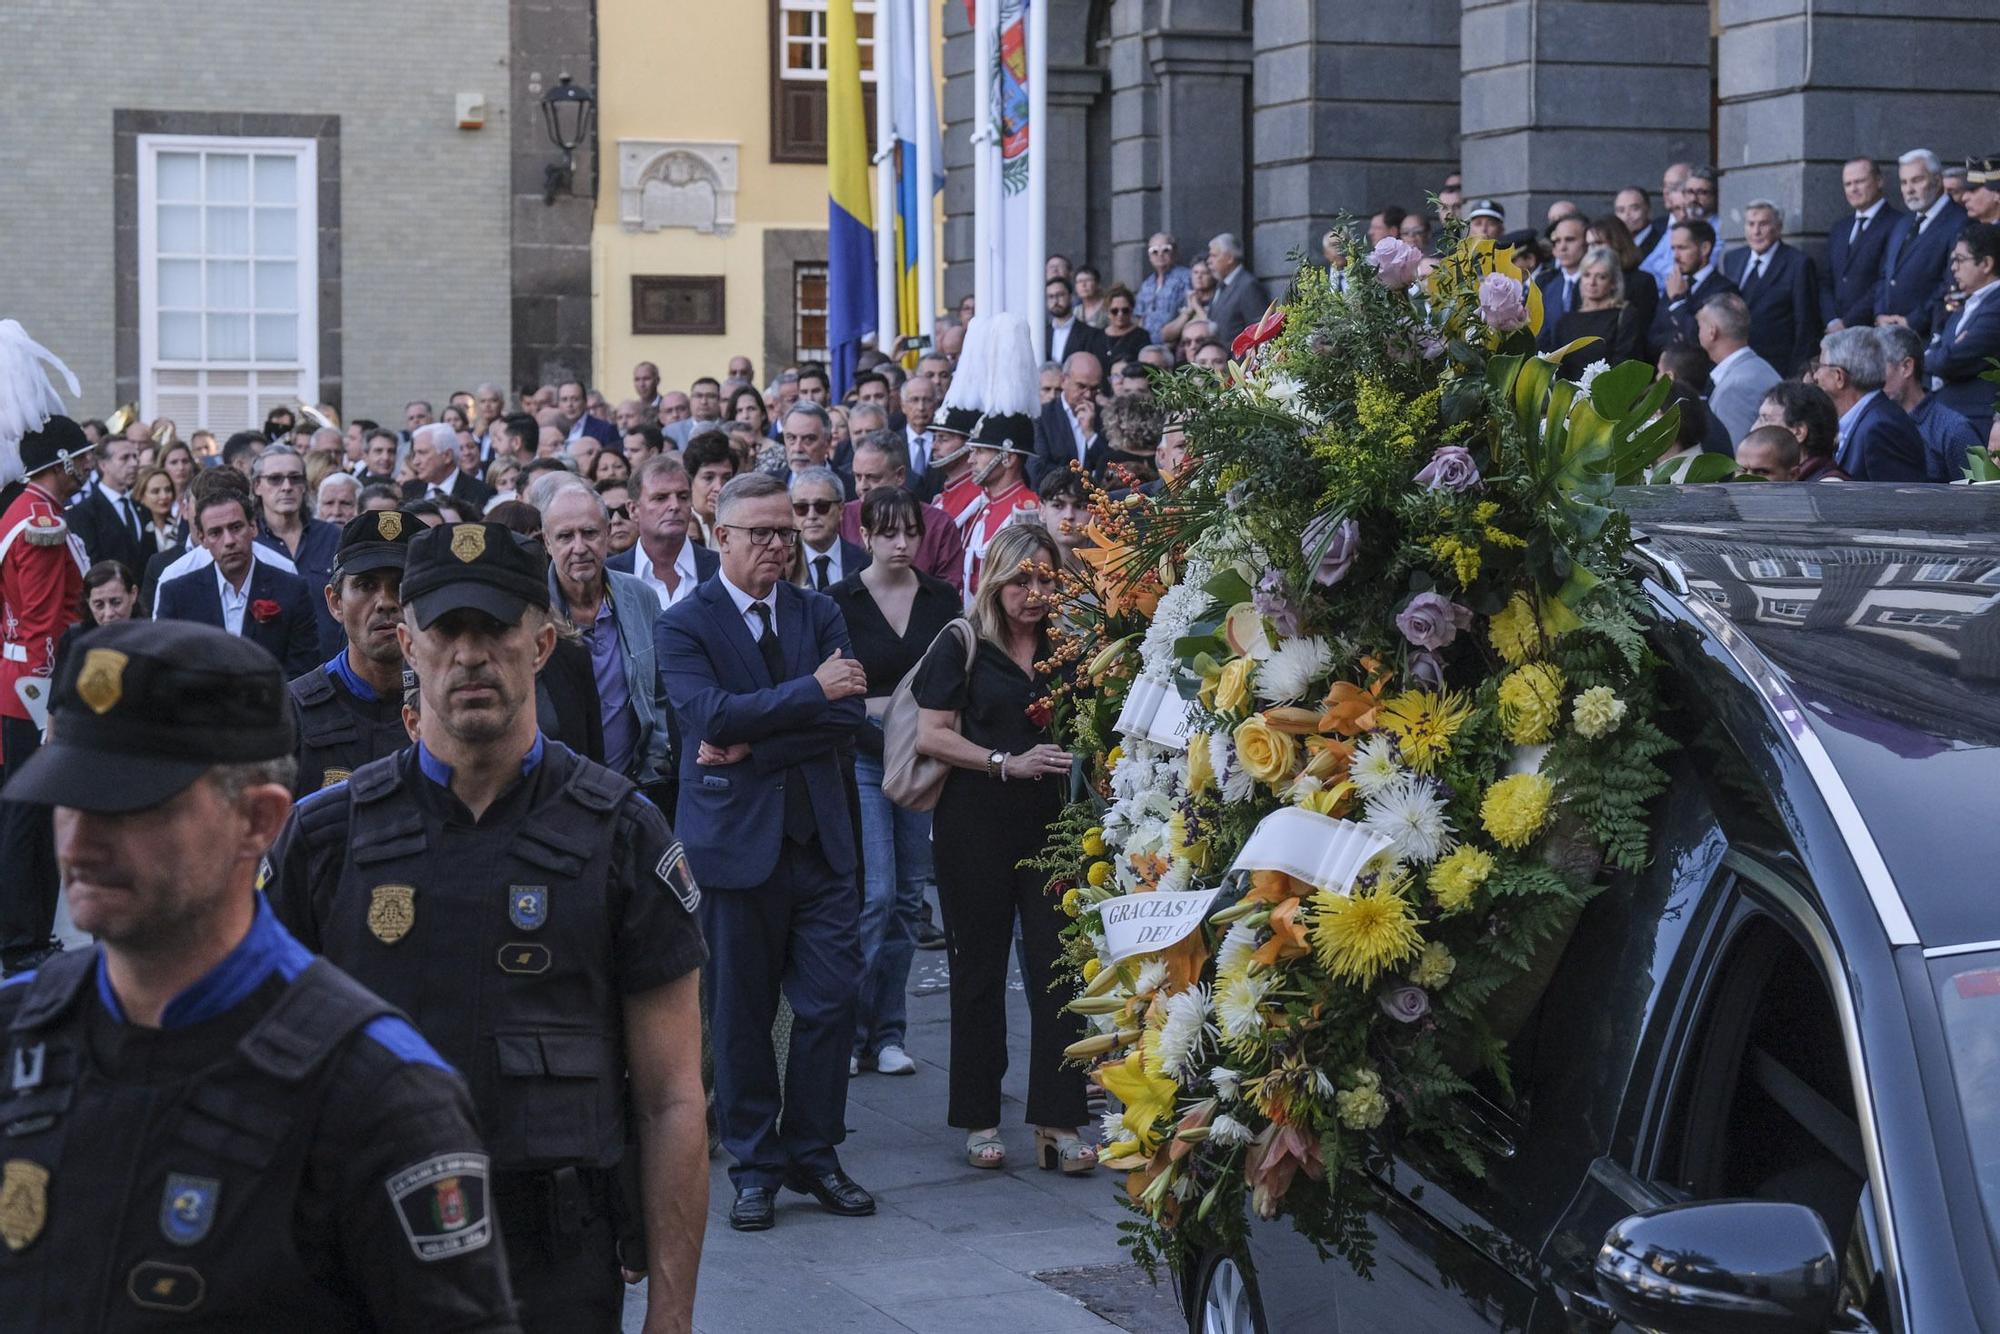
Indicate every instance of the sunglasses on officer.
{"type": "Point", "coordinates": [805, 507]}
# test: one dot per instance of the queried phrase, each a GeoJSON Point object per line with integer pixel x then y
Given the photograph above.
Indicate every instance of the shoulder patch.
{"type": "Point", "coordinates": [675, 875]}
{"type": "Point", "coordinates": [441, 1203]}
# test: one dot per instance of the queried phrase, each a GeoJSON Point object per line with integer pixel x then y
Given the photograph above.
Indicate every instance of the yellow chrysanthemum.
{"type": "Point", "coordinates": [1099, 874]}
{"type": "Point", "coordinates": [1455, 879]}
{"type": "Point", "coordinates": [1357, 936]}
{"type": "Point", "coordinates": [1072, 901]}
{"type": "Point", "coordinates": [1598, 712]}
{"type": "Point", "coordinates": [1362, 1107]}
{"type": "Point", "coordinates": [1423, 723]}
{"type": "Point", "coordinates": [1514, 631]}
{"type": "Point", "coordinates": [1531, 702]}
{"type": "Point", "coordinates": [1093, 842]}
{"type": "Point", "coordinates": [1434, 967]}
{"type": "Point", "coordinates": [1515, 808]}
{"type": "Point", "coordinates": [1091, 968]}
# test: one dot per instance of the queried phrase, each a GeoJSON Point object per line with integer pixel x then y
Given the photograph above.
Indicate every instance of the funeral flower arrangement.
{"type": "Point", "coordinates": [1369, 683]}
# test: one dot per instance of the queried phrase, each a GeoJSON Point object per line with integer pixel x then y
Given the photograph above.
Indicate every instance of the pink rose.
{"type": "Point", "coordinates": [1432, 620]}
{"type": "Point", "coordinates": [1396, 262]}
{"type": "Point", "coordinates": [1501, 304]}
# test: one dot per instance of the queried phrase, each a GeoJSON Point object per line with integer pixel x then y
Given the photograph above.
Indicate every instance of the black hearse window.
{"type": "Point", "coordinates": [1764, 1108]}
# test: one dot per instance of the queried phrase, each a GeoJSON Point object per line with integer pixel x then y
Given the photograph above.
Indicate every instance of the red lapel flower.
{"type": "Point", "coordinates": [1260, 333]}
{"type": "Point", "coordinates": [265, 610]}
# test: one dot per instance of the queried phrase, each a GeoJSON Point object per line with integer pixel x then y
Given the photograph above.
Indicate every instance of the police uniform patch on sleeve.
{"type": "Point", "coordinates": [675, 875]}
{"type": "Point", "coordinates": [441, 1203]}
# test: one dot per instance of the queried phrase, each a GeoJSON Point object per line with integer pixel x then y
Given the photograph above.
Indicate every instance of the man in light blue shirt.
{"type": "Point", "coordinates": [1166, 288]}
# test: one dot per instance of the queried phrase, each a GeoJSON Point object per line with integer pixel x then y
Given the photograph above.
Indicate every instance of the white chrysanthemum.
{"type": "Point", "coordinates": [1236, 1006]}
{"type": "Point", "coordinates": [1233, 958]}
{"type": "Point", "coordinates": [1410, 814]}
{"type": "Point", "coordinates": [1226, 1129]}
{"type": "Point", "coordinates": [1151, 974]}
{"type": "Point", "coordinates": [1292, 669]}
{"type": "Point", "coordinates": [1177, 877]}
{"type": "Point", "coordinates": [1236, 783]}
{"type": "Point", "coordinates": [1591, 372]}
{"type": "Point", "coordinates": [1113, 1124]}
{"type": "Point", "coordinates": [1374, 768]}
{"type": "Point", "coordinates": [1227, 1083]}
{"type": "Point", "coordinates": [1179, 608]}
{"type": "Point", "coordinates": [1185, 1031]}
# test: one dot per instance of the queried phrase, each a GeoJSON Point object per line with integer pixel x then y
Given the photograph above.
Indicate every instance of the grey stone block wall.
{"type": "Point", "coordinates": [1567, 98]}
{"type": "Point", "coordinates": [1807, 85]}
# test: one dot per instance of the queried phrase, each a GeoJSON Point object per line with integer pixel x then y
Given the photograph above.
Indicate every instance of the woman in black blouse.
{"type": "Point", "coordinates": [1004, 789]}
{"type": "Point", "coordinates": [893, 612]}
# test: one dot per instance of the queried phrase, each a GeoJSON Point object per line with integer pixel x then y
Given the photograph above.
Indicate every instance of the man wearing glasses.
{"type": "Point", "coordinates": [279, 478]}
{"type": "Point", "coordinates": [768, 697]}
{"type": "Point", "coordinates": [1165, 290]}
{"type": "Point", "coordinates": [826, 557]}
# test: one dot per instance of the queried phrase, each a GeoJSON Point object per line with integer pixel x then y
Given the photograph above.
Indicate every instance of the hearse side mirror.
{"type": "Point", "coordinates": [1722, 1267]}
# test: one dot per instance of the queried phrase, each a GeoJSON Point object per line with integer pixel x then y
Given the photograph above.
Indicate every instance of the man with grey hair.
{"type": "Point", "coordinates": [1166, 286]}
{"type": "Point", "coordinates": [1737, 385]}
{"type": "Point", "coordinates": [1916, 265]}
{"type": "Point", "coordinates": [1673, 193]}
{"type": "Point", "coordinates": [1240, 299]}
{"type": "Point", "coordinates": [1193, 334]}
{"type": "Point", "coordinates": [1876, 440]}
{"type": "Point", "coordinates": [434, 461]}
{"type": "Point", "coordinates": [825, 557]}
{"type": "Point", "coordinates": [1780, 283]}
{"type": "Point", "coordinates": [339, 498]}
{"type": "Point", "coordinates": [808, 437]}
{"type": "Point", "coordinates": [1948, 436]}
{"type": "Point", "coordinates": [278, 477]}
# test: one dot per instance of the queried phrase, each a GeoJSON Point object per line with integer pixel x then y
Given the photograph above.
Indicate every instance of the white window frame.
{"type": "Point", "coordinates": [306, 253]}
{"type": "Point", "coordinates": [817, 10]}
{"type": "Point", "coordinates": [800, 269]}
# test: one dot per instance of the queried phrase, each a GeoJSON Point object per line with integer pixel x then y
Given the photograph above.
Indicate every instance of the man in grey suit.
{"type": "Point", "coordinates": [1737, 385]}
{"type": "Point", "coordinates": [1239, 299]}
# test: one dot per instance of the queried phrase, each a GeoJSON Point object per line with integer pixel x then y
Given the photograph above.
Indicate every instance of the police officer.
{"type": "Point", "coordinates": [535, 916]}
{"type": "Point", "coordinates": [350, 708]}
{"type": "Point", "coordinates": [204, 1125]}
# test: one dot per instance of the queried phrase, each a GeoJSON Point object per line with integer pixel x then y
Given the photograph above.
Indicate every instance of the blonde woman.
{"type": "Point", "coordinates": [1006, 785]}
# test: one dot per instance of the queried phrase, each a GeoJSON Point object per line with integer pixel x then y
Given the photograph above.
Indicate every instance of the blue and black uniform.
{"type": "Point", "coordinates": [343, 723]}
{"type": "Point", "coordinates": [513, 940]}
{"type": "Point", "coordinates": [283, 1152]}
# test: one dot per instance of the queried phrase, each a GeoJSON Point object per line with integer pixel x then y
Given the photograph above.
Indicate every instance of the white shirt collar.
{"type": "Point", "coordinates": [1868, 214]}
{"type": "Point", "coordinates": [834, 572]}
{"type": "Point", "coordinates": [232, 594]}
{"type": "Point", "coordinates": [1965, 311]}
{"type": "Point", "coordinates": [1700, 276]}
{"type": "Point", "coordinates": [744, 602]}
{"type": "Point", "coordinates": [117, 498]}
{"type": "Point", "coordinates": [1729, 361]}
{"type": "Point", "coordinates": [642, 565]}
{"type": "Point", "coordinates": [1936, 204]}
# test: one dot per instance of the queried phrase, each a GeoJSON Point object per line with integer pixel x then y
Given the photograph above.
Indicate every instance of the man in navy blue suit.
{"type": "Point", "coordinates": [1561, 280]}
{"type": "Point", "coordinates": [571, 398]}
{"type": "Point", "coordinates": [1780, 284]}
{"type": "Point", "coordinates": [817, 504]}
{"type": "Point", "coordinates": [1693, 282]}
{"type": "Point", "coordinates": [758, 670]}
{"type": "Point", "coordinates": [1957, 356]}
{"type": "Point", "coordinates": [1877, 440]}
{"type": "Point", "coordinates": [1854, 247]}
{"type": "Point", "coordinates": [244, 596]}
{"type": "Point", "coordinates": [1911, 288]}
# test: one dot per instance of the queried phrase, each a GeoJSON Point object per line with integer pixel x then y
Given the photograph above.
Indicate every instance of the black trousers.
{"type": "Point", "coordinates": [564, 1278]}
{"type": "Point", "coordinates": [981, 892]}
{"type": "Point", "coordinates": [28, 879]}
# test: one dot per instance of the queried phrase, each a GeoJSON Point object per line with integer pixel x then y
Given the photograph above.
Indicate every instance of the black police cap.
{"type": "Point", "coordinates": [141, 709]}
{"type": "Point", "coordinates": [377, 540]}
{"type": "Point", "coordinates": [481, 566]}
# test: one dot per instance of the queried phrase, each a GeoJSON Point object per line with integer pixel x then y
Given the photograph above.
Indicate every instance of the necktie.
{"type": "Point", "coordinates": [799, 825]}
{"type": "Point", "coordinates": [1569, 294]}
{"type": "Point", "coordinates": [132, 519]}
{"type": "Point", "coordinates": [1756, 273]}
{"type": "Point", "coordinates": [1923, 221]}
{"type": "Point", "coordinates": [819, 572]}
{"type": "Point", "coordinates": [920, 457]}
{"type": "Point", "coordinates": [1860, 225]}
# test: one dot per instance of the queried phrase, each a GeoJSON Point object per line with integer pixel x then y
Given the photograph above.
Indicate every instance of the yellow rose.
{"type": "Point", "coordinates": [1232, 687]}
{"type": "Point", "coordinates": [1267, 754]}
{"type": "Point", "coordinates": [1201, 769]}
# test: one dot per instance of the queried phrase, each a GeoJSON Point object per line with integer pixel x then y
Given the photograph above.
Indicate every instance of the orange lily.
{"type": "Point", "coordinates": [1288, 936]}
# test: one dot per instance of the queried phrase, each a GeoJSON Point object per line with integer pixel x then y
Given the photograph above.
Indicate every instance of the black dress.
{"type": "Point", "coordinates": [981, 829]}
{"type": "Point", "coordinates": [886, 656]}
{"type": "Point", "coordinates": [1619, 328]}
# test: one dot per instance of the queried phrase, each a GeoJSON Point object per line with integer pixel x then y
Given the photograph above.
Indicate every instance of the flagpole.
{"type": "Point", "coordinates": [926, 103]}
{"type": "Point", "coordinates": [1033, 281]}
{"type": "Point", "coordinates": [886, 331]}
{"type": "Point", "coordinates": [985, 180]}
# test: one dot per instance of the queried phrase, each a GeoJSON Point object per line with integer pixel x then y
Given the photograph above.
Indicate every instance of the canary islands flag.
{"type": "Point", "coordinates": [850, 239]}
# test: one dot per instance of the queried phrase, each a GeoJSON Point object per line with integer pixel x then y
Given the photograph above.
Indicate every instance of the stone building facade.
{"type": "Point", "coordinates": [1268, 118]}
{"type": "Point", "coordinates": [214, 208]}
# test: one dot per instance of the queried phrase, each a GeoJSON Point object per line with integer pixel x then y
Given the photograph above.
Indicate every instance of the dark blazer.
{"type": "Point", "coordinates": [1957, 356]}
{"type": "Point", "coordinates": [1674, 321]}
{"type": "Point", "coordinates": [1550, 279]}
{"type": "Point", "coordinates": [1649, 236]}
{"type": "Point", "coordinates": [732, 816]}
{"type": "Point", "coordinates": [600, 430]}
{"type": "Point", "coordinates": [853, 558]}
{"type": "Point", "coordinates": [1082, 338]}
{"type": "Point", "coordinates": [1238, 305]}
{"type": "Point", "coordinates": [1785, 318]}
{"type": "Point", "coordinates": [149, 578]}
{"type": "Point", "coordinates": [469, 491]}
{"type": "Point", "coordinates": [102, 528]}
{"type": "Point", "coordinates": [1624, 337]}
{"type": "Point", "coordinates": [1847, 292]}
{"type": "Point", "coordinates": [1055, 445]}
{"type": "Point", "coordinates": [1915, 267]}
{"type": "Point", "coordinates": [1884, 445]}
{"type": "Point", "coordinates": [706, 562]}
{"type": "Point", "coordinates": [567, 708]}
{"type": "Point", "coordinates": [318, 546]}
{"type": "Point", "coordinates": [291, 636]}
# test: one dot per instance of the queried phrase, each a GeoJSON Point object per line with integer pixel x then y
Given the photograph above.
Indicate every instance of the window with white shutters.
{"type": "Point", "coordinates": [228, 278]}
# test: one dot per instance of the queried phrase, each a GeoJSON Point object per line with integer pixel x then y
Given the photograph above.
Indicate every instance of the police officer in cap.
{"type": "Point", "coordinates": [350, 708]}
{"type": "Point", "coordinates": [204, 1124]}
{"type": "Point", "coordinates": [535, 916]}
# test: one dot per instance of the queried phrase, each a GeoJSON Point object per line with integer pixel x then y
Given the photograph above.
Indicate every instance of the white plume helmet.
{"type": "Point", "coordinates": [27, 399]}
{"type": "Point", "coordinates": [997, 373]}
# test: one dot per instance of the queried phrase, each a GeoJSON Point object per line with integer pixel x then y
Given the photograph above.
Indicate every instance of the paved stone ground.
{"type": "Point", "coordinates": [952, 1248]}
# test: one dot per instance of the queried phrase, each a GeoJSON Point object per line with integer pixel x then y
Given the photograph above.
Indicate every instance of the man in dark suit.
{"type": "Point", "coordinates": [1958, 355]}
{"type": "Point", "coordinates": [571, 398]}
{"type": "Point", "coordinates": [1561, 280]}
{"type": "Point", "coordinates": [1067, 333]}
{"type": "Point", "coordinates": [1634, 207]}
{"type": "Point", "coordinates": [1854, 247]}
{"type": "Point", "coordinates": [434, 459]}
{"type": "Point", "coordinates": [243, 595]}
{"type": "Point", "coordinates": [1914, 266]}
{"type": "Point", "coordinates": [1067, 428]}
{"type": "Point", "coordinates": [1877, 440]}
{"type": "Point", "coordinates": [107, 515]}
{"type": "Point", "coordinates": [1692, 284]}
{"type": "Point", "coordinates": [1780, 284]}
{"type": "Point", "coordinates": [768, 697]}
{"type": "Point", "coordinates": [1239, 300]}
{"type": "Point", "coordinates": [826, 556]}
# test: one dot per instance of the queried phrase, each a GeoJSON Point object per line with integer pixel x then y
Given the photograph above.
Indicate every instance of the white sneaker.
{"type": "Point", "coordinates": [894, 1061]}
{"type": "Point", "coordinates": [853, 1066]}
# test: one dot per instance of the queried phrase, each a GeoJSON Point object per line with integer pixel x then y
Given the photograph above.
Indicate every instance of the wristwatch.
{"type": "Point", "coordinates": [996, 765]}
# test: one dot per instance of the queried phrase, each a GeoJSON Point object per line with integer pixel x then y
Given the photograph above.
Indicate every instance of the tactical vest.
{"type": "Point", "coordinates": [337, 734]}
{"type": "Point", "coordinates": [128, 1207]}
{"type": "Point", "coordinates": [498, 943]}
